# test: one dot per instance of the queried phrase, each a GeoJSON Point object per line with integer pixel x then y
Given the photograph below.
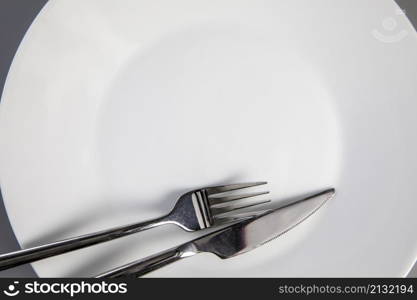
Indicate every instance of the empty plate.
{"type": "Point", "coordinates": [113, 109]}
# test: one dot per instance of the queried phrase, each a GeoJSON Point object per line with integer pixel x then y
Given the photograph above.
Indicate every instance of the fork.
{"type": "Point", "coordinates": [194, 210]}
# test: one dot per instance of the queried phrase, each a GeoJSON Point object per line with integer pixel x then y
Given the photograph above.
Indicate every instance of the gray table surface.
{"type": "Point", "coordinates": [15, 18]}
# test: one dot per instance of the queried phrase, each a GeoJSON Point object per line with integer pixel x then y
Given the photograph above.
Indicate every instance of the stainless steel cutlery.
{"type": "Point", "coordinates": [194, 210]}
{"type": "Point", "coordinates": [232, 240]}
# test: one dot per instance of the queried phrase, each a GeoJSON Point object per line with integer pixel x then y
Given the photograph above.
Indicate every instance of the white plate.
{"type": "Point", "coordinates": [111, 110]}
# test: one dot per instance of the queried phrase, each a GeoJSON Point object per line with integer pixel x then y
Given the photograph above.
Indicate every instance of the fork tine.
{"type": "Point", "coordinates": [231, 187]}
{"type": "Point", "coordinates": [220, 200]}
{"type": "Point", "coordinates": [222, 210]}
{"type": "Point", "coordinates": [238, 217]}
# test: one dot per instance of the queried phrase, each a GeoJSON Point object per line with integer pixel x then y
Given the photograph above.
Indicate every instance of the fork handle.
{"type": "Point", "coordinates": [24, 256]}
{"type": "Point", "coordinates": [143, 266]}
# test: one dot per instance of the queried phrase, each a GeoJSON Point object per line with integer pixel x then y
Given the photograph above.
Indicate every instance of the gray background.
{"type": "Point", "coordinates": [15, 18]}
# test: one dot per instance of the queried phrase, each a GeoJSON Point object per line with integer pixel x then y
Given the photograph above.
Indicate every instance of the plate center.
{"type": "Point", "coordinates": [210, 105]}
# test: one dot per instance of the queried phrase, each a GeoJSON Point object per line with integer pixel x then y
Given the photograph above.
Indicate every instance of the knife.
{"type": "Point", "coordinates": [232, 240]}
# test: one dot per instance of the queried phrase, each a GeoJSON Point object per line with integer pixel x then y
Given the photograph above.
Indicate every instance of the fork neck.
{"type": "Point", "coordinates": [141, 226]}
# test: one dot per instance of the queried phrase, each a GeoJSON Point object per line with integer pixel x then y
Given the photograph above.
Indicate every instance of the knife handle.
{"type": "Point", "coordinates": [148, 264]}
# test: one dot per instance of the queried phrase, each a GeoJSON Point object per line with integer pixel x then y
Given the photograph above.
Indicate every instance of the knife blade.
{"type": "Point", "coordinates": [245, 236]}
